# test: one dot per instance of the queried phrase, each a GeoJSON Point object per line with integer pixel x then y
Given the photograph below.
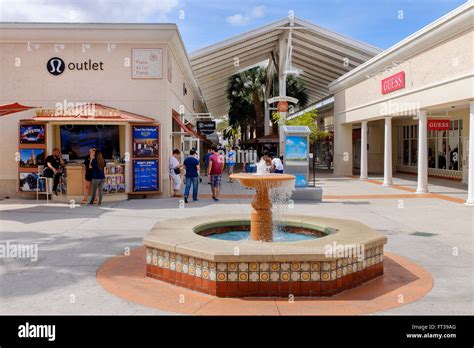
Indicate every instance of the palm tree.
{"type": "Point", "coordinates": [247, 88]}
{"type": "Point", "coordinates": [245, 91]}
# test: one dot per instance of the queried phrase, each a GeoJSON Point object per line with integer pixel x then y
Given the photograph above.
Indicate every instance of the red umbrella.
{"type": "Point", "coordinates": [12, 108]}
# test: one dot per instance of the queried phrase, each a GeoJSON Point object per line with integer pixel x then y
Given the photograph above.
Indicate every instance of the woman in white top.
{"type": "Point", "coordinates": [277, 163]}
{"type": "Point", "coordinates": [175, 172]}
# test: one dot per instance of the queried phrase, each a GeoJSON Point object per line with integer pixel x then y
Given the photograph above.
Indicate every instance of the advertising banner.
{"type": "Point", "coordinates": [145, 176]}
{"type": "Point", "coordinates": [145, 141]}
{"type": "Point", "coordinates": [296, 148]}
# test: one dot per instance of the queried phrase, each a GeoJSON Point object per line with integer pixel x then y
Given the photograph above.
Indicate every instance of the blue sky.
{"type": "Point", "coordinates": [204, 22]}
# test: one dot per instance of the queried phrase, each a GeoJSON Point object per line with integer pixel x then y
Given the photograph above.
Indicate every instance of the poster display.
{"type": "Point", "coordinates": [31, 158]}
{"type": "Point", "coordinates": [32, 134]}
{"type": "Point", "coordinates": [145, 176]}
{"type": "Point", "coordinates": [301, 180]}
{"type": "Point", "coordinates": [296, 148]}
{"type": "Point", "coordinates": [145, 141]}
{"type": "Point", "coordinates": [147, 63]}
{"type": "Point", "coordinates": [145, 159]}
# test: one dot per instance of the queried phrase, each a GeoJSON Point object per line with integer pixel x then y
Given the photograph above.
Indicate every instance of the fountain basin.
{"type": "Point", "coordinates": [178, 252]}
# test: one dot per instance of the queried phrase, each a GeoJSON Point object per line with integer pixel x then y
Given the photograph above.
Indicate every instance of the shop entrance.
{"type": "Point", "coordinates": [190, 143]}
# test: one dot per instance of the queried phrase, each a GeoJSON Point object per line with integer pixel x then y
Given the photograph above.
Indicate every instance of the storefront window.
{"type": "Point", "coordinates": [431, 152]}
{"type": "Point", "coordinates": [441, 151]}
{"type": "Point", "coordinates": [406, 152]}
{"type": "Point", "coordinates": [444, 147]}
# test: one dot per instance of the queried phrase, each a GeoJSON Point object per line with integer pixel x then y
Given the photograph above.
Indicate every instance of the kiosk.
{"type": "Point", "coordinates": [130, 144]}
{"type": "Point", "coordinates": [295, 148]}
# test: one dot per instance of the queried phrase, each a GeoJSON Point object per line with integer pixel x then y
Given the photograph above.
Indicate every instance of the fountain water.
{"type": "Point", "coordinates": [261, 221]}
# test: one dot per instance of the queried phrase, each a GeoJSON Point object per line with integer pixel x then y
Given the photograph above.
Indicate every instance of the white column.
{"type": "Point", "coordinates": [387, 158]}
{"type": "Point", "coordinates": [422, 153]}
{"type": "Point", "coordinates": [282, 69]}
{"type": "Point", "coordinates": [470, 181]}
{"type": "Point", "coordinates": [363, 152]}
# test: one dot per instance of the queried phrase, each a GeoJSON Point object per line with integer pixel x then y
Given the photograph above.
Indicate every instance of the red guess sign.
{"type": "Point", "coordinates": [394, 82]}
{"type": "Point", "coordinates": [439, 125]}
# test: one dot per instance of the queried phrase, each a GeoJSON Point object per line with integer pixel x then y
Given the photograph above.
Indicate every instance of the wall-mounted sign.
{"type": "Point", "coordinates": [439, 124]}
{"type": "Point", "coordinates": [147, 63]}
{"type": "Point", "coordinates": [282, 106]}
{"type": "Point", "coordinates": [394, 82]}
{"type": "Point", "coordinates": [206, 127]}
{"type": "Point", "coordinates": [56, 66]}
{"type": "Point", "coordinates": [145, 176]}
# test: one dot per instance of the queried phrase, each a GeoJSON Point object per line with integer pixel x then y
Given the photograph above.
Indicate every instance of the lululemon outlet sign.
{"type": "Point", "coordinates": [56, 66]}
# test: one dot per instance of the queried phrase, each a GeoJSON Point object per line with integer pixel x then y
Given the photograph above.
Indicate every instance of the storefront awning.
{"type": "Point", "coordinates": [187, 129]}
{"type": "Point", "coordinates": [13, 108]}
{"type": "Point", "coordinates": [90, 112]}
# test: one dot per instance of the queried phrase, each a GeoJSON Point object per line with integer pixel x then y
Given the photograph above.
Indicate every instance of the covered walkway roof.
{"type": "Point", "coordinates": [320, 55]}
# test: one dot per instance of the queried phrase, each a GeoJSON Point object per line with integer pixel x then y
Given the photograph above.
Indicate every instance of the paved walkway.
{"type": "Point", "coordinates": [432, 230]}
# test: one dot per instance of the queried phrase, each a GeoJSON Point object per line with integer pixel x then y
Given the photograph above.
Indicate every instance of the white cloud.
{"type": "Point", "coordinates": [240, 19]}
{"type": "Point", "coordinates": [258, 12]}
{"type": "Point", "coordinates": [86, 10]}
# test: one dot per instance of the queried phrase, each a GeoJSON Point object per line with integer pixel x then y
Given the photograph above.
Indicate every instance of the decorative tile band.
{"type": "Point", "coordinates": [316, 278]}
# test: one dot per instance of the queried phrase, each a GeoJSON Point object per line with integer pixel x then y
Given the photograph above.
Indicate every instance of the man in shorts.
{"type": "Point", "coordinates": [214, 172]}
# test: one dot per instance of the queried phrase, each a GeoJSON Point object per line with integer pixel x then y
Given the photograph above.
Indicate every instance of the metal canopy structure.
{"type": "Point", "coordinates": [318, 55]}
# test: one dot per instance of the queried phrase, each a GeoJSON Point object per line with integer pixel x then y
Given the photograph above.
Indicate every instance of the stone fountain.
{"type": "Point", "coordinates": [196, 252]}
{"type": "Point", "coordinates": [261, 221]}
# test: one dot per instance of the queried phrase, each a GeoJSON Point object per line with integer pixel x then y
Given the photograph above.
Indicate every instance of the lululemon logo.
{"type": "Point", "coordinates": [55, 66]}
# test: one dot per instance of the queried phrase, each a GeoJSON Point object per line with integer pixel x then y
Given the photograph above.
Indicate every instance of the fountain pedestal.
{"type": "Point", "coordinates": [261, 224]}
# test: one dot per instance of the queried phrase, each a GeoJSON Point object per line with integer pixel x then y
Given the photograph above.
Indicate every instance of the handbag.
{"type": "Point", "coordinates": [177, 171]}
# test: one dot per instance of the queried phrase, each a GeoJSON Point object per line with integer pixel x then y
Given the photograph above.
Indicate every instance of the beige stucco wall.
{"type": "Point", "coordinates": [435, 79]}
{"type": "Point", "coordinates": [445, 62]}
{"type": "Point", "coordinates": [31, 84]}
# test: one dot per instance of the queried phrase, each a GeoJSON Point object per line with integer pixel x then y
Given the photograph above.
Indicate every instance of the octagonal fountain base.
{"type": "Point", "coordinates": [344, 255]}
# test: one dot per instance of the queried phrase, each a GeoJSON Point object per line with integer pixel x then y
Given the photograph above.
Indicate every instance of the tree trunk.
{"type": "Point", "coordinates": [259, 116]}
{"type": "Point", "coordinates": [275, 127]}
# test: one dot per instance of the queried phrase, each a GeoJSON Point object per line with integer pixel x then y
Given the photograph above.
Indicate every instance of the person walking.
{"type": "Point", "coordinates": [231, 160]}
{"type": "Point", "coordinates": [97, 164]}
{"type": "Point", "coordinates": [216, 167]}
{"type": "Point", "coordinates": [328, 159]}
{"type": "Point", "coordinates": [191, 164]}
{"type": "Point", "coordinates": [175, 172]}
{"type": "Point", "coordinates": [277, 164]}
{"type": "Point", "coordinates": [206, 161]}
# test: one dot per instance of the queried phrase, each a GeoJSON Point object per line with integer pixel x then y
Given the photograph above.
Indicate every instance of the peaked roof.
{"type": "Point", "coordinates": [318, 52]}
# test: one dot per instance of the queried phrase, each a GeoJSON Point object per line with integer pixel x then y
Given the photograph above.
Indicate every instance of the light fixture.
{"type": "Point", "coordinates": [58, 47]}
{"type": "Point", "coordinates": [32, 46]}
{"type": "Point", "coordinates": [111, 47]}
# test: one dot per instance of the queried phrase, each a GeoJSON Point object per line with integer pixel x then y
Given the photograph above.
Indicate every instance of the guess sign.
{"type": "Point", "coordinates": [439, 125]}
{"type": "Point", "coordinates": [394, 82]}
